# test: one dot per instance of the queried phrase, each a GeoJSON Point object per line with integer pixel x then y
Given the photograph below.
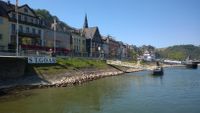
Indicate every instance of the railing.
{"type": "Point", "coordinates": [41, 51]}
{"type": "Point", "coordinates": [7, 53]}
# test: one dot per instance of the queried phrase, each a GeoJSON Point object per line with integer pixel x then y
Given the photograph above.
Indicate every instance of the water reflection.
{"type": "Point", "coordinates": [87, 97]}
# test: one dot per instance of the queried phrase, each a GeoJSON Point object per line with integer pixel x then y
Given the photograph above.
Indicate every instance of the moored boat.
{"type": "Point", "coordinates": [158, 71]}
{"type": "Point", "coordinates": [191, 65]}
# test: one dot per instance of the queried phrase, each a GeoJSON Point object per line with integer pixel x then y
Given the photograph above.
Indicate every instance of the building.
{"type": "Point", "coordinates": [62, 41]}
{"type": "Point", "coordinates": [93, 39]}
{"type": "Point", "coordinates": [123, 51]}
{"type": "Point", "coordinates": [105, 47]}
{"type": "Point", "coordinates": [114, 48]}
{"type": "Point", "coordinates": [34, 32]}
{"type": "Point", "coordinates": [30, 27]}
{"type": "Point", "coordinates": [78, 44]}
{"type": "Point", "coordinates": [4, 30]}
{"type": "Point", "coordinates": [148, 56]}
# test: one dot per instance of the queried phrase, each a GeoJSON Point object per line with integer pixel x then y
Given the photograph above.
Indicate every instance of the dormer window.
{"type": "Point", "coordinates": [25, 10]}
{"type": "Point", "coordinates": [14, 15]}
{"type": "Point", "coordinates": [35, 21]}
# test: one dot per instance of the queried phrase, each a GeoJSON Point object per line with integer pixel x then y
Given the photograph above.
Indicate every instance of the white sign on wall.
{"type": "Point", "coordinates": [41, 60]}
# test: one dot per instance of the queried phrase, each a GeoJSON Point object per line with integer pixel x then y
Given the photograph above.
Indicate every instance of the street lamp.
{"type": "Point", "coordinates": [99, 49]}
{"type": "Point", "coordinates": [91, 46]}
{"type": "Point", "coordinates": [17, 34]}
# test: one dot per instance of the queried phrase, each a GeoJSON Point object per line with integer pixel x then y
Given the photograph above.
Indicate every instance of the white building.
{"type": "Point", "coordinates": [148, 56]}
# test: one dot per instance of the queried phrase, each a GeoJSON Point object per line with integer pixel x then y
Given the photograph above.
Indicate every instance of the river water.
{"type": "Point", "coordinates": [178, 91]}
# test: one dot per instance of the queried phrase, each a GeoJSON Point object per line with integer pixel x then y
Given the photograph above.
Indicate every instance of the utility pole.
{"type": "Point", "coordinates": [91, 47]}
{"type": "Point", "coordinates": [17, 33]}
{"type": "Point", "coordinates": [54, 34]}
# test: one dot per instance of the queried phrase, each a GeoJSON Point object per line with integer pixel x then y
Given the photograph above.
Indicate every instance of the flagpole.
{"type": "Point", "coordinates": [17, 33]}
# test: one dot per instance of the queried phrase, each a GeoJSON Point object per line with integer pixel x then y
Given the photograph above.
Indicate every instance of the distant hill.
{"type": "Point", "coordinates": [179, 52]}
{"type": "Point", "coordinates": [49, 19]}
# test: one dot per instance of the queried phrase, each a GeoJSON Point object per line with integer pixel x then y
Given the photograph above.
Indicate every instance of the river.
{"type": "Point", "coordinates": [177, 91]}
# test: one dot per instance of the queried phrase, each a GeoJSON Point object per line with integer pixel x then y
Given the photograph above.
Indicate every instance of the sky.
{"type": "Point", "coordinates": [159, 23]}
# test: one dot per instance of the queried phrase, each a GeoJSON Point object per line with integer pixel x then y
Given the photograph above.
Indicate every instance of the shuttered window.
{"type": "Point", "coordinates": [1, 20]}
{"type": "Point", "coordinates": [1, 37]}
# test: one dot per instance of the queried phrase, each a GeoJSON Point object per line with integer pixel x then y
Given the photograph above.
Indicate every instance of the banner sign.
{"type": "Point", "coordinates": [41, 60]}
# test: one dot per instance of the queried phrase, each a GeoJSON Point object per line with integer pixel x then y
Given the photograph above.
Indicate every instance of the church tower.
{"type": "Point", "coordinates": [85, 25]}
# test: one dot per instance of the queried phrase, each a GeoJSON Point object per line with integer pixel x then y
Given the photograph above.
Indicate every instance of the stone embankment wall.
{"type": "Point", "coordinates": [12, 67]}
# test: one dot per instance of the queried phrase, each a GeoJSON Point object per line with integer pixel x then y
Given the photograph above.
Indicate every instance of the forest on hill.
{"type": "Point", "coordinates": [179, 52]}
{"type": "Point", "coordinates": [49, 19]}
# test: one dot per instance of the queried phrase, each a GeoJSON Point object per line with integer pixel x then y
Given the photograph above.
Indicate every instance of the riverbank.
{"type": "Point", "coordinates": [75, 77]}
{"type": "Point", "coordinates": [65, 73]}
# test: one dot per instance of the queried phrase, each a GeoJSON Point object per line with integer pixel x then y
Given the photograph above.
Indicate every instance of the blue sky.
{"type": "Point", "coordinates": [160, 23]}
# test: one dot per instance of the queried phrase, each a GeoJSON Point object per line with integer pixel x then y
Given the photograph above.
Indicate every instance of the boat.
{"type": "Point", "coordinates": [158, 71]}
{"type": "Point", "coordinates": [191, 65]}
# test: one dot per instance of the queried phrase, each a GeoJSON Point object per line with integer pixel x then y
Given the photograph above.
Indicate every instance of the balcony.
{"type": "Point", "coordinates": [27, 22]}
{"type": "Point", "coordinates": [23, 34]}
{"type": "Point", "coordinates": [43, 48]}
{"type": "Point", "coordinates": [32, 35]}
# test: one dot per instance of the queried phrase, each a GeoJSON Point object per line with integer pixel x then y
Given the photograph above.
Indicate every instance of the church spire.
{"type": "Point", "coordinates": [85, 25]}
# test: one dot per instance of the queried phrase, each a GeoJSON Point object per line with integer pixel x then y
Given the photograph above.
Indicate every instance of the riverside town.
{"type": "Point", "coordinates": [99, 56]}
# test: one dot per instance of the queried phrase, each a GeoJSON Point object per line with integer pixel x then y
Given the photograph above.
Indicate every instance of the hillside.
{"type": "Point", "coordinates": [180, 52]}
{"type": "Point", "coordinates": [49, 19]}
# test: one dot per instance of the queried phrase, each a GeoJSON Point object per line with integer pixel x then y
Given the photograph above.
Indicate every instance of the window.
{"type": "Point", "coordinates": [13, 16]}
{"type": "Point", "coordinates": [20, 17]}
{"type": "Point", "coordinates": [43, 23]}
{"type": "Point", "coordinates": [33, 30]}
{"type": "Point", "coordinates": [93, 44]}
{"type": "Point", "coordinates": [20, 28]}
{"type": "Point", "coordinates": [25, 18]}
{"type": "Point", "coordinates": [1, 20]}
{"type": "Point", "coordinates": [1, 37]}
{"type": "Point", "coordinates": [25, 10]}
{"type": "Point", "coordinates": [13, 27]}
{"type": "Point", "coordinates": [31, 20]}
{"type": "Point", "coordinates": [39, 32]}
{"type": "Point", "coordinates": [27, 29]}
{"type": "Point", "coordinates": [83, 42]}
{"type": "Point", "coordinates": [35, 21]}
